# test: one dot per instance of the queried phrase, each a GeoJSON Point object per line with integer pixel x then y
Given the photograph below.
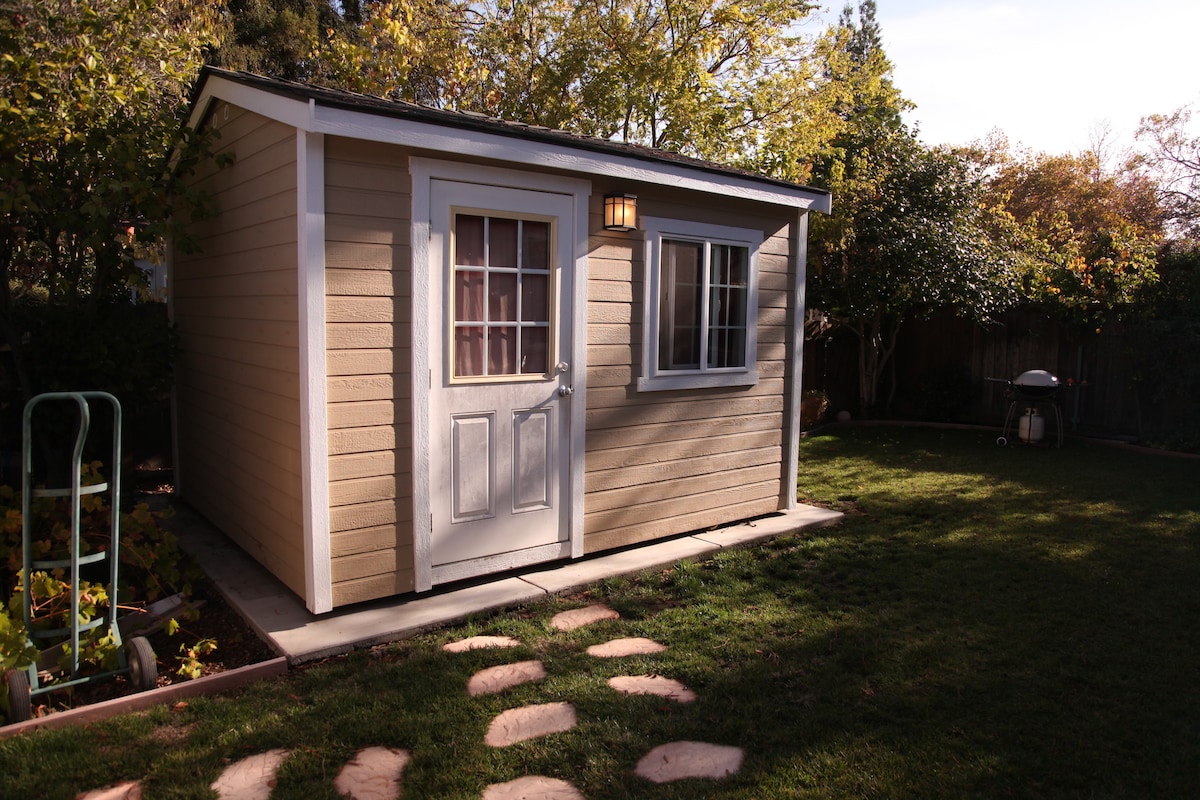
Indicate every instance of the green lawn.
{"type": "Point", "coordinates": [987, 622]}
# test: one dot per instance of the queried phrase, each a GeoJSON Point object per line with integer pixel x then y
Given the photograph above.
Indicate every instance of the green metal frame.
{"type": "Point", "coordinates": [82, 401]}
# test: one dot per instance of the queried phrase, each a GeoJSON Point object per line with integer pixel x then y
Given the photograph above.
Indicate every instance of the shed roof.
{"type": "Point", "coordinates": [342, 113]}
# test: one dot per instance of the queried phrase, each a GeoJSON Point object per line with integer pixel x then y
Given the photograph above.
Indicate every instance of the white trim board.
{"type": "Point", "coordinates": [314, 437]}
{"type": "Point", "coordinates": [791, 452]}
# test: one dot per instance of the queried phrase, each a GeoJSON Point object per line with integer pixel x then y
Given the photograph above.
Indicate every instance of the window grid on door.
{"type": "Point", "coordinates": [502, 296]}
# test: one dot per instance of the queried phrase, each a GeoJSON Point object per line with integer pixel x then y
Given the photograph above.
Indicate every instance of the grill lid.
{"type": "Point", "coordinates": [1039, 378]}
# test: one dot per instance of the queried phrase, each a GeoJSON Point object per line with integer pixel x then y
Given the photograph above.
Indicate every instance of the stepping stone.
{"type": "Point", "coordinates": [373, 774]}
{"type": "Point", "coordinates": [578, 617]}
{"type": "Point", "coordinates": [653, 684]}
{"type": "Point", "coordinates": [529, 722]}
{"type": "Point", "coordinates": [251, 778]}
{"type": "Point", "coordinates": [532, 787]}
{"type": "Point", "coordinates": [130, 790]}
{"type": "Point", "coordinates": [479, 643]}
{"type": "Point", "coordinates": [497, 679]}
{"type": "Point", "coordinates": [679, 760]}
{"type": "Point", "coordinates": [619, 648]}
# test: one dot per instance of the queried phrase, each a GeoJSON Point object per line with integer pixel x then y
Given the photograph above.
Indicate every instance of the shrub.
{"type": "Point", "coordinates": [151, 566]}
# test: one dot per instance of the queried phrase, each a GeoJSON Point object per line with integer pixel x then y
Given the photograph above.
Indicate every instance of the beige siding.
{"type": "Point", "coordinates": [368, 362]}
{"type": "Point", "coordinates": [664, 463]}
{"type": "Point", "coordinates": [235, 302]}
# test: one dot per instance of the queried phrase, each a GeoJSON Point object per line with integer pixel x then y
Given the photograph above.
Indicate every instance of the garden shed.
{"type": "Point", "coordinates": [421, 346]}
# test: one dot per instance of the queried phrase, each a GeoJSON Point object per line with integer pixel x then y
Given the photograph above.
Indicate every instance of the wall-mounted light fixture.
{"type": "Point", "coordinates": [620, 212]}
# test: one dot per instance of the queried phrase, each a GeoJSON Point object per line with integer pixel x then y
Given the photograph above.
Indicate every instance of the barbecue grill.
{"type": "Point", "coordinates": [1030, 392]}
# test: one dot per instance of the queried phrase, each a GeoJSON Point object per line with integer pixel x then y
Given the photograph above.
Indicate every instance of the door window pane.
{"type": "Point", "coordinates": [535, 351]}
{"type": "Point", "coordinates": [502, 242]}
{"type": "Point", "coordinates": [535, 245]}
{"type": "Point", "coordinates": [502, 297]}
{"type": "Point", "coordinates": [468, 351]}
{"type": "Point", "coordinates": [535, 297]}
{"type": "Point", "coordinates": [468, 237]}
{"type": "Point", "coordinates": [468, 295]}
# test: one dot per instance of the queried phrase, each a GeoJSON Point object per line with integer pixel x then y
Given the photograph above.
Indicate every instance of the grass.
{"type": "Point", "coordinates": [987, 622]}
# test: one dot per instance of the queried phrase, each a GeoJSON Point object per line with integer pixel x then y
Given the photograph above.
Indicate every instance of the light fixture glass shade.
{"type": "Point", "coordinates": [620, 212]}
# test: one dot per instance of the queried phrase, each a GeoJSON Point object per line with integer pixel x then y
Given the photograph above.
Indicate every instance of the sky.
{"type": "Point", "coordinates": [1048, 73]}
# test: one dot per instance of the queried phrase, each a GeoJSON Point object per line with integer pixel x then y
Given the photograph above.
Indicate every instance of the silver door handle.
{"type": "Point", "coordinates": [565, 391]}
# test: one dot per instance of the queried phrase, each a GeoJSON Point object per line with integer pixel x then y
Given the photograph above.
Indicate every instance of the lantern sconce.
{"type": "Point", "coordinates": [620, 212]}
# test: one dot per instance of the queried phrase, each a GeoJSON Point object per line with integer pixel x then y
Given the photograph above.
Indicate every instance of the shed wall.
{"type": "Point", "coordinates": [236, 306]}
{"type": "Point", "coordinates": [664, 463]}
{"type": "Point", "coordinates": [369, 366]}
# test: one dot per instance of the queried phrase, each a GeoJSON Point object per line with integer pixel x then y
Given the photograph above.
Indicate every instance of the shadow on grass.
{"type": "Point", "coordinates": [985, 623]}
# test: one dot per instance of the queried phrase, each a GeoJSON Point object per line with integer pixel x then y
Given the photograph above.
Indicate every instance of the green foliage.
{"type": "Point", "coordinates": [190, 663]}
{"type": "Point", "coordinates": [275, 37]}
{"type": "Point", "coordinates": [123, 348]}
{"type": "Point", "coordinates": [1089, 238]}
{"type": "Point", "coordinates": [152, 566]}
{"type": "Point", "coordinates": [92, 96]}
{"type": "Point", "coordinates": [909, 235]}
{"type": "Point", "coordinates": [726, 82]}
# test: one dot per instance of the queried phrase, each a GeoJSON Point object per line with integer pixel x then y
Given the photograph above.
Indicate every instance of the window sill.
{"type": "Point", "coordinates": [712, 380]}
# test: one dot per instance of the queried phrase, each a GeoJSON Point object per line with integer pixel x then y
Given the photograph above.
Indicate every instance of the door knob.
{"type": "Point", "coordinates": [565, 391]}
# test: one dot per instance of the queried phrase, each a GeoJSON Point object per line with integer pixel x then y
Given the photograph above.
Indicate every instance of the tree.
{"type": "Point", "coordinates": [414, 50]}
{"type": "Point", "coordinates": [91, 101]}
{"type": "Point", "coordinates": [909, 232]}
{"type": "Point", "coordinates": [278, 37]}
{"type": "Point", "coordinates": [1173, 158]}
{"type": "Point", "coordinates": [1090, 236]}
{"type": "Point", "coordinates": [721, 81]}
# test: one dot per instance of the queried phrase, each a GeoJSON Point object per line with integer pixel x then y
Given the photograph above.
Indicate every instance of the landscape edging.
{"type": "Point", "coordinates": [209, 684]}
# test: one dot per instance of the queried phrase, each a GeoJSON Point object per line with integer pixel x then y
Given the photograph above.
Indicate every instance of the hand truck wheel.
{"type": "Point", "coordinates": [20, 706]}
{"type": "Point", "coordinates": [143, 667]}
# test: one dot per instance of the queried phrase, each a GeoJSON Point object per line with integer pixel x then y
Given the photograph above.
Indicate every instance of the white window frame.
{"type": "Point", "coordinates": [653, 379]}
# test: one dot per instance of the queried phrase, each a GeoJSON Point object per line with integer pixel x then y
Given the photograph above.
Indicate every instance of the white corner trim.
{"type": "Point", "coordinates": [791, 452]}
{"type": "Point", "coordinates": [420, 224]}
{"type": "Point", "coordinates": [579, 320]}
{"type": "Point", "coordinates": [314, 437]}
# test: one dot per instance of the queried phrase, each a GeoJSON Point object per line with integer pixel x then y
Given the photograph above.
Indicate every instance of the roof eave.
{"type": "Point", "coordinates": [338, 113]}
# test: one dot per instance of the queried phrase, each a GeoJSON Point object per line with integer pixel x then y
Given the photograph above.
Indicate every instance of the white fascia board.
{"type": "Point", "coordinates": [307, 115]}
{"type": "Point", "coordinates": [297, 113]}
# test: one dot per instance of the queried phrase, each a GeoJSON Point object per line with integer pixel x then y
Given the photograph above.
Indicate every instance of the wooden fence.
{"type": "Point", "coordinates": [942, 366]}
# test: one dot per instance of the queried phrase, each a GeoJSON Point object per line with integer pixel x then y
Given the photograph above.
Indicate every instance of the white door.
{"type": "Point", "coordinates": [500, 389]}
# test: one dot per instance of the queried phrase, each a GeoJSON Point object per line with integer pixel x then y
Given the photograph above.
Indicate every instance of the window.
{"type": "Point", "coordinates": [502, 296]}
{"type": "Point", "coordinates": [701, 305]}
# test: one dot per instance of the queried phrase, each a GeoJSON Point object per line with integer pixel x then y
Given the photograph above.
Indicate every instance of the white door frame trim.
{"type": "Point", "coordinates": [423, 172]}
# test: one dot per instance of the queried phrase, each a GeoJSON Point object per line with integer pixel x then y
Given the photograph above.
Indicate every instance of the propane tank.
{"type": "Point", "coordinates": [1032, 426]}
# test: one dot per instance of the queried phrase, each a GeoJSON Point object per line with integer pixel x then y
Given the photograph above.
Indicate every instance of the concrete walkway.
{"type": "Point", "coordinates": [281, 619]}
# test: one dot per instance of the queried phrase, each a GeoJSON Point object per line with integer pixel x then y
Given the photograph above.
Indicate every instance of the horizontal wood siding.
{"type": "Point", "coordinates": [237, 387]}
{"type": "Point", "coordinates": [368, 361]}
{"type": "Point", "coordinates": [664, 463]}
